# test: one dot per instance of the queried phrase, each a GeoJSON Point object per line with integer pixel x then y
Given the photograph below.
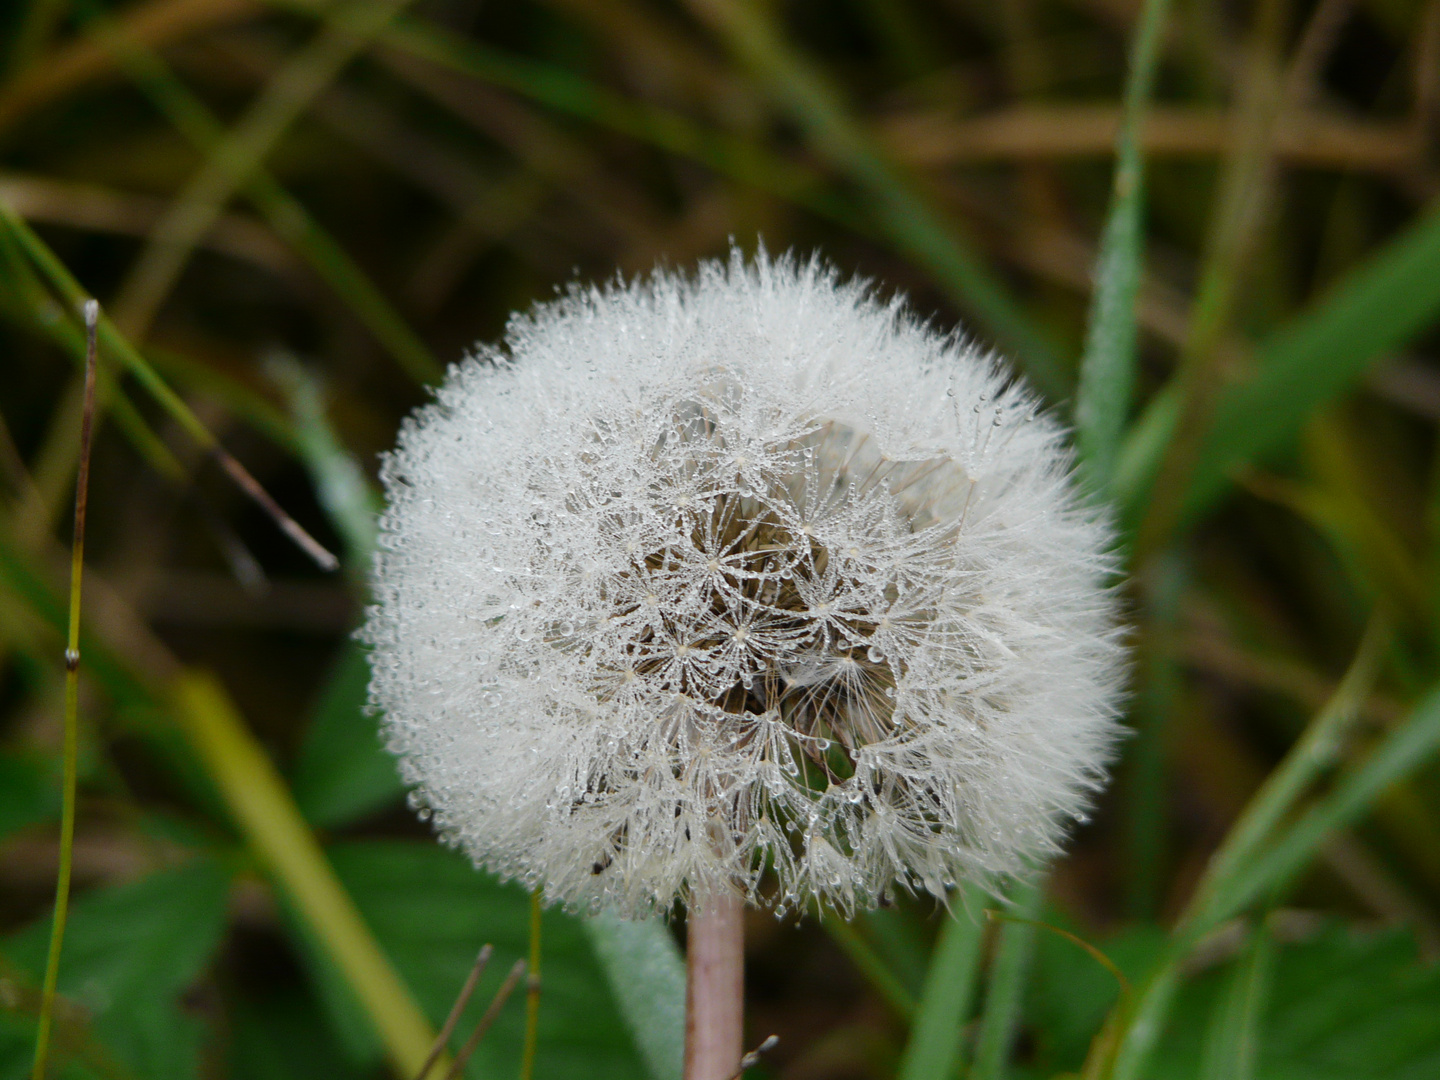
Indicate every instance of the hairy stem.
{"type": "Point", "coordinates": [714, 987]}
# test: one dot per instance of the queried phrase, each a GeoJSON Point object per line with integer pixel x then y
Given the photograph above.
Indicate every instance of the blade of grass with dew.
{"type": "Point", "coordinates": [285, 214]}
{"type": "Point", "coordinates": [237, 155]}
{"type": "Point", "coordinates": [646, 974]}
{"type": "Point", "coordinates": [267, 815]}
{"type": "Point", "coordinates": [341, 486]}
{"type": "Point", "coordinates": [116, 345]}
{"type": "Point", "coordinates": [1005, 988]}
{"type": "Point", "coordinates": [1107, 366]}
{"type": "Point", "coordinates": [871, 964]}
{"type": "Point", "coordinates": [1233, 1041]}
{"type": "Point", "coordinates": [1306, 363]}
{"type": "Point", "coordinates": [934, 1047]}
{"type": "Point", "coordinates": [72, 700]}
{"type": "Point", "coordinates": [914, 226]}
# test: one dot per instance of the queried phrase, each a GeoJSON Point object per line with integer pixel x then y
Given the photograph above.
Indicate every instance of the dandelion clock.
{"type": "Point", "coordinates": [741, 586]}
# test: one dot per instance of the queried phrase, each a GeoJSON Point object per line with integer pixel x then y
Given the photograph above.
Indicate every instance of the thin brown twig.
{"type": "Point", "coordinates": [501, 996]}
{"type": "Point", "coordinates": [481, 959]}
{"type": "Point", "coordinates": [753, 1057]}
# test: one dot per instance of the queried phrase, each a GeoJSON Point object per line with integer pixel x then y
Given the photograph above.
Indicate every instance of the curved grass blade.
{"type": "Point", "coordinates": [1231, 1045]}
{"type": "Point", "coordinates": [1004, 992]}
{"type": "Point", "coordinates": [1107, 366]}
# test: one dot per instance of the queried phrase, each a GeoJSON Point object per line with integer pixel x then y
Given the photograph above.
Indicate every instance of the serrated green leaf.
{"type": "Point", "coordinates": [130, 951]}
{"type": "Point", "coordinates": [342, 772]}
{"type": "Point", "coordinates": [431, 911]}
{"type": "Point", "coordinates": [1342, 1006]}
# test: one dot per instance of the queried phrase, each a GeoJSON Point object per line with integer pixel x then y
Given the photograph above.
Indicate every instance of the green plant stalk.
{"type": "Point", "coordinates": [1107, 366]}
{"type": "Point", "coordinates": [72, 704]}
{"type": "Point", "coordinates": [1005, 991]}
{"type": "Point", "coordinates": [933, 1050]}
{"type": "Point", "coordinates": [532, 993]}
{"type": "Point", "coordinates": [267, 815]}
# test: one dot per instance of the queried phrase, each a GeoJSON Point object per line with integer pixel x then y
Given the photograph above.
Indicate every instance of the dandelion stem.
{"type": "Point", "coordinates": [714, 987]}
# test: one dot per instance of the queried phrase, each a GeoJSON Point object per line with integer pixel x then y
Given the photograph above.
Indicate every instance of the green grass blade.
{"type": "Point", "coordinates": [1316, 750]}
{"type": "Point", "coordinates": [933, 1051]}
{"type": "Point", "coordinates": [1232, 1043]}
{"type": "Point", "coordinates": [1107, 367]}
{"type": "Point", "coordinates": [1004, 993]}
{"type": "Point", "coordinates": [912, 224]}
{"type": "Point", "coordinates": [1403, 750]}
{"type": "Point", "coordinates": [1299, 368]}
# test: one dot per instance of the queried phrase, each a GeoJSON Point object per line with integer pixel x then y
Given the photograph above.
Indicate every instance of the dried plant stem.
{"type": "Point", "coordinates": [72, 701]}
{"type": "Point", "coordinates": [714, 987]}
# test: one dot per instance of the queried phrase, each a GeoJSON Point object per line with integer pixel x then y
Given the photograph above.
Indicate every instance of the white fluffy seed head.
{"type": "Point", "coordinates": [701, 579]}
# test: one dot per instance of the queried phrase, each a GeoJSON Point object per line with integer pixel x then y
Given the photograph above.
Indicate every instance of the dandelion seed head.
{"type": "Point", "coordinates": [742, 580]}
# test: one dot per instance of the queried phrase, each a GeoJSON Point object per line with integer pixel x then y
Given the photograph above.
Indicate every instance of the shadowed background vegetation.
{"type": "Point", "coordinates": [296, 212]}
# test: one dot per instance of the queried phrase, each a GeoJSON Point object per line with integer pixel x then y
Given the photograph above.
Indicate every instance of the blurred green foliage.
{"type": "Point", "coordinates": [1207, 233]}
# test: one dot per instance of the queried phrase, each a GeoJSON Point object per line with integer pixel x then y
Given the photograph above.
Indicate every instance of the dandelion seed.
{"type": "Point", "coordinates": [842, 617]}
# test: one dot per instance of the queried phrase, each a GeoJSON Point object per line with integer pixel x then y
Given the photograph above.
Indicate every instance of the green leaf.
{"type": "Point", "coordinates": [647, 980]}
{"type": "Point", "coordinates": [29, 792]}
{"type": "Point", "coordinates": [933, 1051]}
{"type": "Point", "coordinates": [130, 952]}
{"type": "Point", "coordinates": [432, 911]}
{"type": "Point", "coordinates": [342, 772]}
{"type": "Point", "coordinates": [1342, 1005]}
